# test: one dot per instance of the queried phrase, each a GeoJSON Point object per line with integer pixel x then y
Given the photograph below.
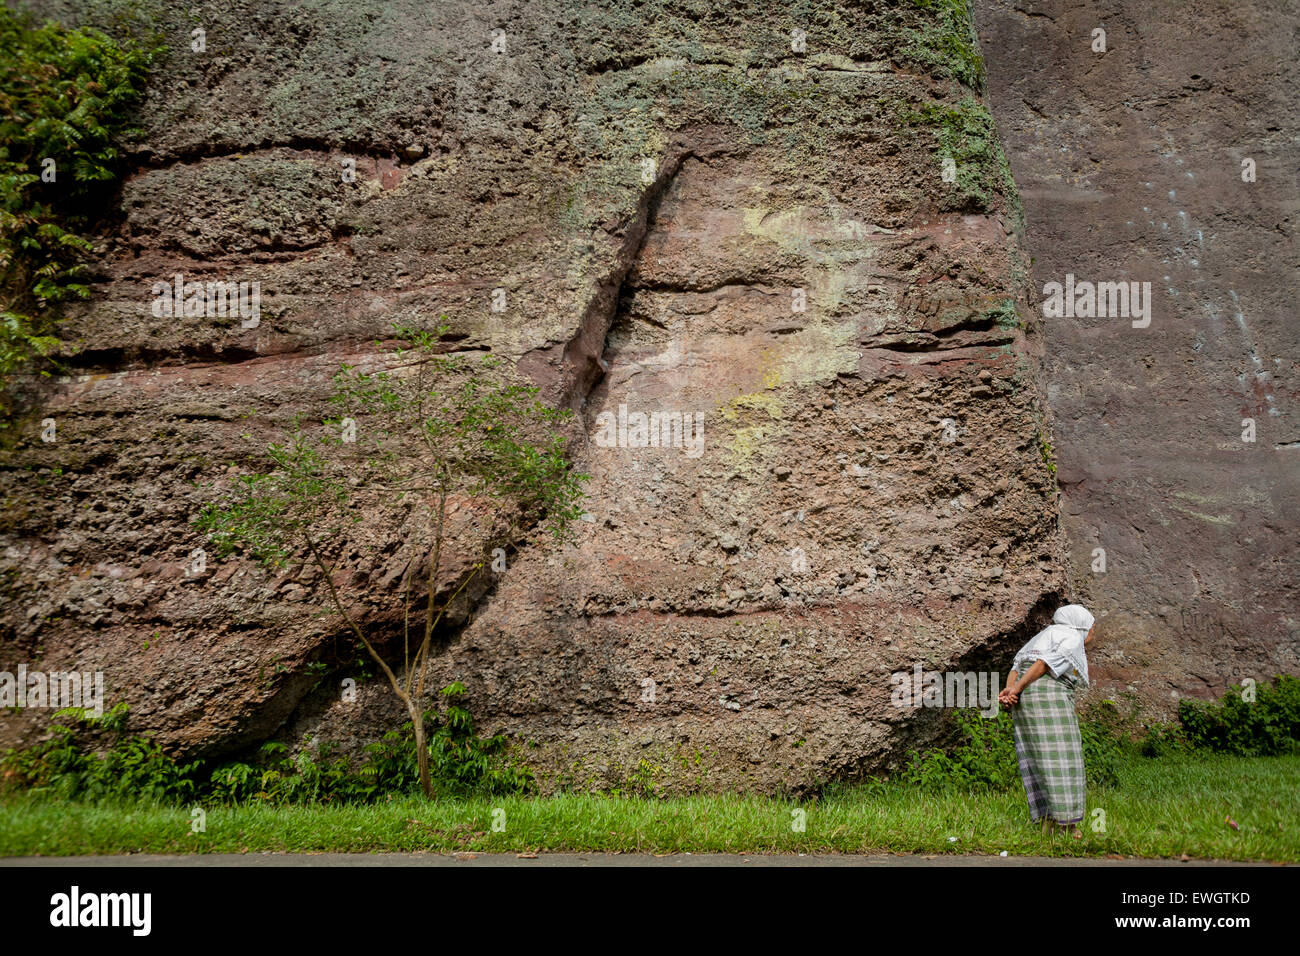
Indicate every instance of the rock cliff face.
{"type": "Point", "coordinates": [1131, 167]}
{"type": "Point", "coordinates": [710, 209]}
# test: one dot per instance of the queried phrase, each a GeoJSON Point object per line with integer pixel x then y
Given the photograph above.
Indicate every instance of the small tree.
{"type": "Point", "coordinates": [405, 439]}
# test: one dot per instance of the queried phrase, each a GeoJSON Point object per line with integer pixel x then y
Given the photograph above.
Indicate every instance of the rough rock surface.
{"type": "Point", "coordinates": [1130, 166]}
{"type": "Point", "coordinates": [654, 186]}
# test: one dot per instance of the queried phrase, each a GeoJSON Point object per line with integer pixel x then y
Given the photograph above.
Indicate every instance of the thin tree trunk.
{"type": "Point", "coordinates": [422, 655]}
{"type": "Point", "coordinates": [337, 601]}
{"type": "Point", "coordinates": [421, 750]}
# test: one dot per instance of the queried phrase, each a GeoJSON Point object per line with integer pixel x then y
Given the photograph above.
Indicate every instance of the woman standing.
{"type": "Point", "coordinates": [1048, 744]}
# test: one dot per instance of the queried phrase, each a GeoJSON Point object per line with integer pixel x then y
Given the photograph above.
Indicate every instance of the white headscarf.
{"type": "Point", "coordinates": [1071, 625]}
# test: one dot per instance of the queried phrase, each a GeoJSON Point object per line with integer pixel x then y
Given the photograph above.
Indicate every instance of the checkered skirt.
{"type": "Point", "coordinates": [1050, 750]}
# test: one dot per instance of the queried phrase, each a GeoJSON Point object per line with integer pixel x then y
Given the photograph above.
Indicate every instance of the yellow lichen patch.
{"type": "Point", "coordinates": [749, 438]}
{"type": "Point", "coordinates": [1195, 499]}
{"type": "Point", "coordinates": [744, 443]}
{"type": "Point", "coordinates": [655, 145]}
{"type": "Point", "coordinates": [835, 246]}
{"type": "Point", "coordinates": [767, 402]}
{"type": "Point", "coordinates": [818, 353]}
{"type": "Point", "coordinates": [826, 235]}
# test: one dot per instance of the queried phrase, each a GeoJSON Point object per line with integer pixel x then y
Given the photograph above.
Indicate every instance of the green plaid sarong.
{"type": "Point", "coordinates": [1050, 750]}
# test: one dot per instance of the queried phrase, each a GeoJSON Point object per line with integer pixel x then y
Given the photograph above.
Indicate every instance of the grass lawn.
{"type": "Point", "coordinates": [1161, 808]}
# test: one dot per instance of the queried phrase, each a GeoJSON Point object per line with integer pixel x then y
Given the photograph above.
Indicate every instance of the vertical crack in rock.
{"type": "Point", "coordinates": [582, 360]}
{"type": "Point", "coordinates": [582, 369]}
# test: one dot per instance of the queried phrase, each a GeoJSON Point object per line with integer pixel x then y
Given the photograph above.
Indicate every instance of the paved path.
{"type": "Point", "coordinates": [586, 859]}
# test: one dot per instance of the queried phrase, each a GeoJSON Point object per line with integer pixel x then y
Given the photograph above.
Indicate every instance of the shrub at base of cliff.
{"type": "Point", "coordinates": [461, 764]}
{"type": "Point", "coordinates": [95, 759]}
{"type": "Point", "coordinates": [407, 441]}
{"type": "Point", "coordinates": [1266, 726]}
{"type": "Point", "coordinates": [66, 97]}
{"type": "Point", "coordinates": [1255, 721]}
{"type": "Point", "coordinates": [986, 757]}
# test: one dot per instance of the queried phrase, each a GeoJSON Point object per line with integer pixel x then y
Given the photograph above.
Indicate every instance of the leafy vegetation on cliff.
{"type": "Point", "coordinates": [1268, 725]}
{"type": "Point", "coordinates": [62, 797]}
{"type": "Point", "coordinates": [66, 101]}
{"type": "Point", "coordinates": [96, 758]}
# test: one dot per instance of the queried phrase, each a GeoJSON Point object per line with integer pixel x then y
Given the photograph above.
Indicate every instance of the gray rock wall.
{"type": "Point", "coordinates": [1130, 165]}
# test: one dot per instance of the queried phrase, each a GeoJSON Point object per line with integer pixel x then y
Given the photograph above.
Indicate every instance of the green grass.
{"type": "Point", "coordinates": [1161, 808]}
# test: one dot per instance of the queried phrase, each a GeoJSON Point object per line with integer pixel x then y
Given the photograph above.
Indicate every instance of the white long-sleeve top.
{"type": "Point", "coordinates": [1054, 646]}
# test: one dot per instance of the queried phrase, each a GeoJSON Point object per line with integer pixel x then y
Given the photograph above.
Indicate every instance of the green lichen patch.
{"type": "Point", "coordinates": [946, 47]}
{"type": "Point", "coordinates": [1005, 315]}
{"type": "Point", "coordinates": [964, 132]}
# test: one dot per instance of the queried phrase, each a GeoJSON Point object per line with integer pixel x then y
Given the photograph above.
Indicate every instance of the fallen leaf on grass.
{"type": "Point", "coordinates": [1231, 822]}
{"type": "Point", "coordinates": [525, 856]}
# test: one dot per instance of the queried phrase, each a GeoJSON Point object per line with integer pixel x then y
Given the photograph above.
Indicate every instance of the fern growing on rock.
{"type": "Point", "coordinates": [66, 99]}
